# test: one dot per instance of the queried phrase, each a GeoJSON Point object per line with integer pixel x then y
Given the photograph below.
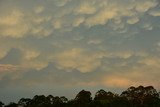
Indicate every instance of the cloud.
{"type": "Point", "coordinates": [39, 9]}
{"type": "Point", "coordinates": [31, 55]}
{"type": "Point", "coordinates": [155, 13]}
{"type": "Point", "coordinates": [122, 54]}
{"type": "Point", "coordinates": [151, 61]}
{"type": "Point", "coordinates": [11, 19]}
{"type": "Point", "coordinates": [147, 26]}
{"type": "Point", "coordinates": [41, 22]}
{"type": "Point", "coordinates": [19, 23]}
{"type": "Point", "coordinates": [12, 25]}
{"type": "Point", "coordinates": [119, 82]}
{"type": "Point", "coordinates": [78, 21]}
{"type": "Point", "coordinates": [133, 20]}
{"type": "Point", "coordinates": [78, 59]}
{"type": "Point", "coordinates": [95, 41]}
{"type": "Point", "coordinates": [8, 68]}
{"type": "Point", "coordinates": [57, 24]}
{"type": "Point", "coordinates": [72, 44]}
{"type": "Point", "coordinates": [145, 5]}
{"type": "Point", "coordinates": [134, 77]}
{"type": "Point", "coordinates": [13, 57]}
{"type": "Point", "coordinates": [61, 3]}
{"type": "Point", "coordinates": [3, 53]}
{"type": "Point", "coordinates": [85, 8]}
{"type": "Point", "coordinates": [101, 18]}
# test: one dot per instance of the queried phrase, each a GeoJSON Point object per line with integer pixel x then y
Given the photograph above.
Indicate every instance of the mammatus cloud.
{"type": "Point", "coordinates": [155, 13]}
{"type": "Point", "coordinates": [43, 20]}
{"type": "Point", "coordinates": [133, 20]}
{"type": "Point", "coordinates": [39, 9]}
{"type": "Point", "coordinates": [78, 59]}
{"type": "Point", "coordinates": [12, 25]}
{"type": "Point", "coordinates": [79, 43]}
{"type": "Point", "coordinates": [19, 23]}
{"type": "Point", "coordinates": [85, 8]}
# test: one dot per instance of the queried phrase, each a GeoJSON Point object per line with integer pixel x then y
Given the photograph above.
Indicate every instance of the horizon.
{"type": "Point", "coordinates": [60, 47]}
{"type": "Point", "coordinates": [93, 93]}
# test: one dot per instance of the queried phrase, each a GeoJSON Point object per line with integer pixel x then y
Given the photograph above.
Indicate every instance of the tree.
{"type": "Point", "coordinates": [132, 97]}
{"type": "Point", "coordinates": [83, 98]}
{"type": "Point", "coordinates": [137, 95]}
{"type": "Point", "coordinates": [39, 101]}
{"type": "Point", "coordinates": [64, 99]}
{"type": "Point", "coordinates": [12, 104]}
{"type": "Point", "coordinates": [1, 104]}
{"type": "Point", "coordinates": [103, 95]}
{"type": "Point", "coordinates": [50, 99]}
{"type": "Point", "coordinates": [24, 102]}
{"type": "Point", "coordinates": [57, 102]}
{"type": "Point", "coordinates": [109, 99]}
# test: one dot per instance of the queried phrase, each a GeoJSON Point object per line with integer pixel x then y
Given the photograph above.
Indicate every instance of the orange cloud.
{"type": "Point", "coordinates": [115, 81]}
{"type": "Point", "coordinates": [8, 68]}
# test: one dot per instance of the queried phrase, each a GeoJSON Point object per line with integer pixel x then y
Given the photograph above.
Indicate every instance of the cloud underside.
{"type": "Point", "coordinates": [112, 43]}
{"type": "Point", "coordinates": [41, 21]}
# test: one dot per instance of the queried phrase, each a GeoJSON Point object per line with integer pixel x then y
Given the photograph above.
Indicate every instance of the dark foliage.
{"type": "Point", "coordinates": [1, 104]}
{"type": "Point", "coordinates": [132, 97]}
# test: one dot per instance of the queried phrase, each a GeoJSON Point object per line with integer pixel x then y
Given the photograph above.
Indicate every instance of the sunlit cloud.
{"type": "Point", "coordinates": [78, 59]}
{"type": "Point", "coordinates": [8, 68]}
{"type": "Point", "coordinates": [13, 25]}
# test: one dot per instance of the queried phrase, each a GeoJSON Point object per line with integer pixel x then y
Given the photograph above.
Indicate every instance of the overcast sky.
{"type": "Point", "coordinates": [60, 47]}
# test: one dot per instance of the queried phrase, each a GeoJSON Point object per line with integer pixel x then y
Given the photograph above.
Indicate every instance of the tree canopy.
{"type": "Point", "coordinates": [132, 97]}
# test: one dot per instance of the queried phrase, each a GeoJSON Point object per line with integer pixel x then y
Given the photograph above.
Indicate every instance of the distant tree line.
{"type": "Point", "coordinates": [132, 97]}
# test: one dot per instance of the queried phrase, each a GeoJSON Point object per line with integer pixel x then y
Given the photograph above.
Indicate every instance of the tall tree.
{"type": "Point", "coordinates": [103, 95]}
{"type": "Point", "coordinates": [1, 104]}
{"type": "Point", "coordinates": [137, 95]}
{"type": "Point", "coordinates": [12, 104]}
{"type": "Point", "coordinates": [83, 98]}
{"type": "Point", "coordinates": [24, 102]}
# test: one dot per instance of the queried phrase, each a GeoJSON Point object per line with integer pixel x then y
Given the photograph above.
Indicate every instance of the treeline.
{"type": "Point", "coordinates": [132, 97]}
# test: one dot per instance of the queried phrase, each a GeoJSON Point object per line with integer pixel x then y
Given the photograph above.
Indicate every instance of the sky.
{"type": "Point", "coordinates": [60, 47]}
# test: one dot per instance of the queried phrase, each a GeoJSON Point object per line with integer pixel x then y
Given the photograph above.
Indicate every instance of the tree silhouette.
{"type": "Point", "coordinates": [12, 104]}
{"type": "Point", "coordinates": [103, 95]}
{"type": "Point", "coordinates": [132, 97]}
{"type": "Point", "coordinates": [39, 101]}
{"type": "Point", "coordinates": [138, 95]}
{"type": "Point", "coordinates": [24, 101]}
{"type": "Point", "coordinates": [1, 104]}
{"type": "Point", "coordinates": [64, 99]}
{"type": "Point", "coordinates": [83, 98]}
